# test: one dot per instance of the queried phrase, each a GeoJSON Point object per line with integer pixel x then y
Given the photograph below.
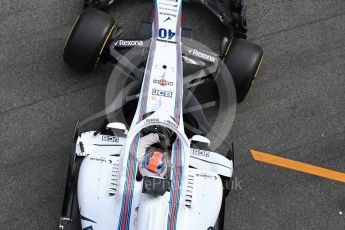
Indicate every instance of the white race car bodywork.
{"type": "Point", "coordinates": [99, 188]}
{"type": "Point", "coordinates": [109, 195]}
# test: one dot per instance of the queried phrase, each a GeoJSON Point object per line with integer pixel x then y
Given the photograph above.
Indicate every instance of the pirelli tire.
{"type": "Point", "coordinates": [88, 39]}
{"type": "Point", "coordinates": [243, 59]}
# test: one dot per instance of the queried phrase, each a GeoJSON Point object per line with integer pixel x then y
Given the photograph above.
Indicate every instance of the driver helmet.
{"type": "Point", "coordinates": [154, 164]}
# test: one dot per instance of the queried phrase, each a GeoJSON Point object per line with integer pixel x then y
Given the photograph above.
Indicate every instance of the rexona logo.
{"type": "Point", "coordinates": [162, 82]}
{"type": "Point", "coordinates": [128, 43]}
{"type": "Point", "coordinates": [201, 55]}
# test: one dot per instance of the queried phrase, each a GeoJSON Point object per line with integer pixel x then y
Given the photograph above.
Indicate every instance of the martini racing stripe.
{"type": "Point", "coordinates": [131, 171]}
{"type": "Point", "coordinates": [146, 84]}
{"type": "Point", "coordinates": [175, 190]}
{"type": "Point", "coordinates": [179, 75]}
{"type": "Point", "coordinates": [178, 27]}
{"type": "Point", "coordinates": [155, 20]}
{"type": "Point", "coordinates": [179, 87]}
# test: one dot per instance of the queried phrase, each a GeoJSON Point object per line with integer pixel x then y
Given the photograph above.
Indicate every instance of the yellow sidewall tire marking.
{"type": "Point", "coordinates": [259, 66]}
{"type": "Point", "coordinates": [105, 42]}
{"type": "Point", "coordinates": [70, 33]}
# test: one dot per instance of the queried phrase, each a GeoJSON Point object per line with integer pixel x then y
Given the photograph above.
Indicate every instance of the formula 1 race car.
{"type": "Point", "coordinates": [155, 175]}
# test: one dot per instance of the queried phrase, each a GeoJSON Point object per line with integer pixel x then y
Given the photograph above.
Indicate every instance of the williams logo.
{"type": "Point", "coordinates": [162, 82]}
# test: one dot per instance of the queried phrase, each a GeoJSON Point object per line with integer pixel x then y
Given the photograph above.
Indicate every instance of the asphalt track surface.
{"type": "Point", "coordinates": [295, 109]}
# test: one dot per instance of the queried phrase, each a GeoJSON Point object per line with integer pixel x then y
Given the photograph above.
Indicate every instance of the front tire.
{"type": "Point", "coordinates": [87, 40]}
{"type": "Point", "coordinates": [243, 60]}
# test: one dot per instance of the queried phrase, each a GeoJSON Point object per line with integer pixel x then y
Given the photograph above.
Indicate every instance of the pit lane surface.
{"type": "Point", "coordinates": [295, 109]}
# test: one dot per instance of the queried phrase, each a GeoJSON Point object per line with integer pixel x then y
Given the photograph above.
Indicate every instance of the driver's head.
{"type": "Point", "coordinates": [154, 163]}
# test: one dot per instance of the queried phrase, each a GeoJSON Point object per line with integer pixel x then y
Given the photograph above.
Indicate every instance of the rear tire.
{"type": "Point", "coordinates": [87, 40]}
{"type": "Point", "coordinates": [243, 60]}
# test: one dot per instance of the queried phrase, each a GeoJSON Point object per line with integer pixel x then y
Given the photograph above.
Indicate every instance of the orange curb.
{"type": "Point", "coordinates": [298, 166]}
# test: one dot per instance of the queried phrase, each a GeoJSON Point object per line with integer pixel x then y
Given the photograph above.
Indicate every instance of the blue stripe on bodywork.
{"type": "Point", "coordinates": [127, 203]}
{"type": "Point", "coordinates": [175, 190]}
